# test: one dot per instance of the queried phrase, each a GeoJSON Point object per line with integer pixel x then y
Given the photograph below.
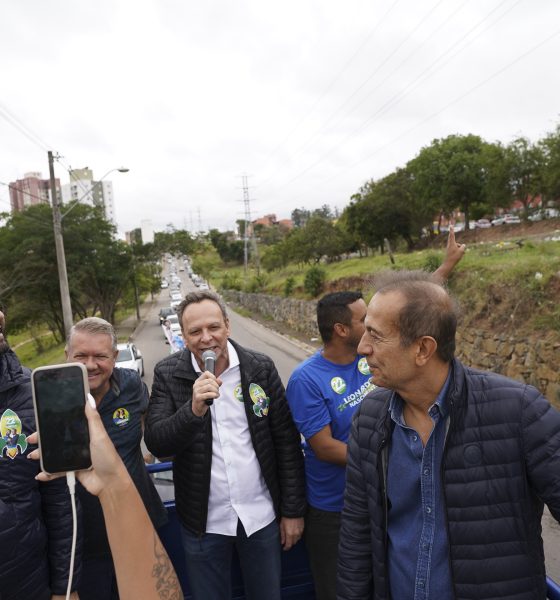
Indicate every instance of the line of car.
{"type": "Point", "coordinates": [506, 219]}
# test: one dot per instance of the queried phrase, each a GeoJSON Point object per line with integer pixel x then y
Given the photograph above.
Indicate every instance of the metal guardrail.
{"type": "Point", "coordinates": [553, 588]}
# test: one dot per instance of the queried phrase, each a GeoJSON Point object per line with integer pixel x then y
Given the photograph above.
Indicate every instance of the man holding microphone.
{"type": "Point", "coordinates": [238, 466]}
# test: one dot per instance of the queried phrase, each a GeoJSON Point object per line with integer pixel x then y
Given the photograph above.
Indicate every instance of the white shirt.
{"type": "Point", "coordinates": [237, 487]}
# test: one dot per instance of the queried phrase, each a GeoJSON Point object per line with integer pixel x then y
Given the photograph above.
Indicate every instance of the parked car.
{"type": "Point", "coordinates": [203, 286]}
{"type": "Point", "coordinates": [500, 220]}
{"type": "Point", "coordinates": [544, 213]}
{"type": "Point", "coordinates": [482, 224]}
{"type": "Point", "coordinates": [164, 284]}
{"type": "Point", "coordinates": [506, 219]}
{"type": "Point", "coordinates": [129, 357]}
{"type": "Point", "coordinates": [164, 314]}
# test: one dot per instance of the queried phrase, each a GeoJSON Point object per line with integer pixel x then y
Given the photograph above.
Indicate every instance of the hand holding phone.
{"type": "Point", "coordinates": [59, 395]}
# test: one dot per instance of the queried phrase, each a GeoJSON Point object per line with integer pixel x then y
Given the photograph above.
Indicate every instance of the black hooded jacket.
{"type": "Point", "coordinates": [35, 518]}
{"type": "Point", "coordinates": [173, 430]}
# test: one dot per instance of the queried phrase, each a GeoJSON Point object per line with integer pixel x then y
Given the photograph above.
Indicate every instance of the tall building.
{"type": "Point", "coordinates": [147, 231]}
{"type": "Point", "coordinates": [84, 188]}
{"type": "Point", "coordinates": [141, 235]}
{"type": "Point", "coordinates": [30, 190]}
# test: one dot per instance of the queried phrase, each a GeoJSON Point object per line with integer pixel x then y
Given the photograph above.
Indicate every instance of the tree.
{"type": "Point", "coordinates": [175, 241]}
{"type": "Point", "coordinates": [99, 266]}
{"type": "Point", "coordinates": [455, 172]}
{"type": "Point", "coordinates": [300, 216]}
{"type": "Point", "coordinates": [229, 249]}
{"type": "Point", "coordinates": [550, 147]}
{"type": "Point", "coordinates": [524, 163]}
{"type": "Point", "coordinates": [317, 239]}
{"type": "Point", "coordinates": [387, 209]}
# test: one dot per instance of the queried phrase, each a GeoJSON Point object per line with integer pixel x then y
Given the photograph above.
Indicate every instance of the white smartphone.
{"type": "Point", "coordinates": [59, 396]}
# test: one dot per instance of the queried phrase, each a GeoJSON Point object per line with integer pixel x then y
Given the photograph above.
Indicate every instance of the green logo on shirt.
{"type": "Point", "coordinates": [238, 393]}
{"type": "Point", "coordinates": [338, 385]}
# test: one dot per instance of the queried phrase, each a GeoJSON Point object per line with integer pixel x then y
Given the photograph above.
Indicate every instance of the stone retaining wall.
{"type": "Point", "coordinates": [535, 360]}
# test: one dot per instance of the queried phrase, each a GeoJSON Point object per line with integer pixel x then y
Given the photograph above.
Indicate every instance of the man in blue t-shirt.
{"type": "Point", "coordinates": [323, 393]}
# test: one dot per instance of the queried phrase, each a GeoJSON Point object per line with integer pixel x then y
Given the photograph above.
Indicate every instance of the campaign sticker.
{"type": "Point", "coordinates": [12, 441]}
{"type": "Point", "coordinates": [121, 417]}
{"type": "Point", "coordinates": [363, 366]}
{"type": "Point", "coordinates": [260, 400]}
{"type": "Point", "coordinates": [338, 385]}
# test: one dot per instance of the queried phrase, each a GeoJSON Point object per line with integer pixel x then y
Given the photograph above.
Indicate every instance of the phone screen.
{"type": "Point", "coordinates": [60, 394]}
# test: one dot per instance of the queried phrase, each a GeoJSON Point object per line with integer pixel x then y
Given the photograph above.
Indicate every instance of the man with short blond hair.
{"type": "Point", "coordinates": [122, 400]}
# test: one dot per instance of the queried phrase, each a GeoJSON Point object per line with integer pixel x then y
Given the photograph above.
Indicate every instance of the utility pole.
{"type": "Point", "coordinates": [60, 255]}
{"type": "Point", "coordinates": [247, 205]}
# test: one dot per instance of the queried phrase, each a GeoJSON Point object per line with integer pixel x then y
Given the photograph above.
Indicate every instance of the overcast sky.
{"type": "Point", "coordinates": [309, 98]}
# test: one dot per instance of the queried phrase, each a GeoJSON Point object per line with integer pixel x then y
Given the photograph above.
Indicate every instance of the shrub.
{"type": "Point", "coordinates": [231, 281]}
{"type": "Point", "coordinates": [257, 284]}
{"type": "Point", "coordinates": [314, 281]}
{"type": "Point", "coordinates": [289, 286]}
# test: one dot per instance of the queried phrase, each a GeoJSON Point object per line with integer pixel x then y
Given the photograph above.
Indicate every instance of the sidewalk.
{"type": "Point", "coordinates": [130, 327]}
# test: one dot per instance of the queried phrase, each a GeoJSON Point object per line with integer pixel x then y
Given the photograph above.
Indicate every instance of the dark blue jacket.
{"type": "Point", "coordinates": [127, 396]}
{"type": "Point", "coordinates": [35, 518]}
{"type": "Point", "coordinates": [501, 462]}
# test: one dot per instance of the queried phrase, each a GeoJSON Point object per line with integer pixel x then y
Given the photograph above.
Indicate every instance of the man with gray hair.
{"type": "Point", "coordinates": [122, 400]}
{"type": "Point", "coordinates": [448, 467]}
{"type": "Point", "coordinates": [238, 465]}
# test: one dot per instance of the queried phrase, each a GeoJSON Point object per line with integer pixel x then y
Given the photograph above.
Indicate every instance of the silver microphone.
{"type": "Point", "coordinates": [209, 359]}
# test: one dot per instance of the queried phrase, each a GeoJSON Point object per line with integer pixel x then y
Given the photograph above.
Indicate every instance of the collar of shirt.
{"type": "Point", "coordinates": [233, 360]}
{"type": "Point", "coordinates": [396, 404]}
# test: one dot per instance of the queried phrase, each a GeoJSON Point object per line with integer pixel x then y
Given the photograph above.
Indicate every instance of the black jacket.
{"type": "Point", "coordinates": [501, 461]}
{"type": "Point", "coordinates": [173, 430]}
{"type": "Point", "coordinates": [35, 518]}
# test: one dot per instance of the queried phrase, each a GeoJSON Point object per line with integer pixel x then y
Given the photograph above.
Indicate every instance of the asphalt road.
{"type": "Point", "coordinates": [286, 355]}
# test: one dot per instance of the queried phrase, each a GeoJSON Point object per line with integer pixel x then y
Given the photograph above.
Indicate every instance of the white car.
{"type": "Point", "coordinates": [176, 299]}
{"type": "Point", "coordinates": [129, 357]}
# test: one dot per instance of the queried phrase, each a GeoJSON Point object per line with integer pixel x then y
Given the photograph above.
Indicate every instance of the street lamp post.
{"type": "Point", "coordinates": [59, 244]}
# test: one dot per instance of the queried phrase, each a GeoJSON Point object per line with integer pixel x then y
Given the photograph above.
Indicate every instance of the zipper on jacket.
{"type": "Point", "coordinates": [441, 471]}
{"type": "Point", "coordinates": [384, 458]}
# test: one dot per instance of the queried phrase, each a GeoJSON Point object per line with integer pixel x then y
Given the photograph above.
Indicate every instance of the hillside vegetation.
{"type": "Point", "coordinates": [509, 279]}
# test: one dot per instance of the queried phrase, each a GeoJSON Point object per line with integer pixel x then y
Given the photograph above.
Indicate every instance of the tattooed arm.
{"type": "Point", "coordinates": [142, 565]}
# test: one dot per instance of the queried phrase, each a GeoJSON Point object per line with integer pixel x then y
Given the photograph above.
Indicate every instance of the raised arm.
{"type": "Point", "coordinates": [453, 254]}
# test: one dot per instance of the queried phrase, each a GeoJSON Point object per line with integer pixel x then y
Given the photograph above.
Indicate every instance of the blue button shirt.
{"type": "Point", "coordinates": [418, 549]}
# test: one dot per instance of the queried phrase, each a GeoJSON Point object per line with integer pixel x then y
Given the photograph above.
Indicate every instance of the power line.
{"type": "Point", "coordinates": [22, 128]}
{"type": "Point", "coordinates": [321, 128]}
{"type": "Point", "coordinates": [421, 78]}
{"type": "Point", "coordinates": [331, 84]}
{"type": "Point", "coordinates": [445, 107]}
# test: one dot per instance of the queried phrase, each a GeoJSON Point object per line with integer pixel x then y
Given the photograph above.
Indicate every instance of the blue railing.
{"type": "Point", "coordinates": [296, 577]}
